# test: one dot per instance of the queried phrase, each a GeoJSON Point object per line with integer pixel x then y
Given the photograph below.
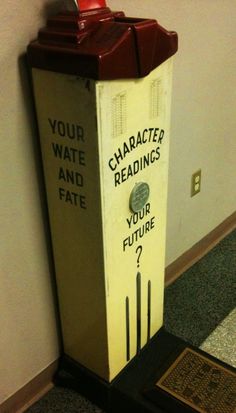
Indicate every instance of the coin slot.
{"type": "Point", "coordinates": [127, 329]}
{"type": "Point", "coordinates": [138, 302]}
{"type": "Point", "coordinates": [129, 20]}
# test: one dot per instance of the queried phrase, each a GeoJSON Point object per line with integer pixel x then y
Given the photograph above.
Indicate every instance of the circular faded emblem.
{"type": "Point", "coordinates": [139, 196]}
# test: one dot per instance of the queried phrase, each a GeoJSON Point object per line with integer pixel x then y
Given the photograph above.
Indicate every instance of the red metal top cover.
{"type": "Point", "coordinates": [99, 44]}
{"type": "Point", "coordinates": [90, 4]}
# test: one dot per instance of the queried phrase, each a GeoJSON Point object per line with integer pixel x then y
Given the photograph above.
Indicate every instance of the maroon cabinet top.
{"type": "Point", "coordinates": [97, 43]}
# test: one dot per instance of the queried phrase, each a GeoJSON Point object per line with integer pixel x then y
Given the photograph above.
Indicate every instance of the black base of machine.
{"type": "Point", "coordinates": [135, 389]}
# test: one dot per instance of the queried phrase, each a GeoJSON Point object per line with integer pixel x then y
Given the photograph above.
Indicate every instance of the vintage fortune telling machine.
{"type": "Point", "coordinates": [102, 86]}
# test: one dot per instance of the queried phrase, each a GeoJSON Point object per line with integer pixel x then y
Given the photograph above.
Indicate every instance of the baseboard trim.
{"type": "Point", "coordinates": [201, 248]}
{"type": "Point", "coordinates": [31, 392]}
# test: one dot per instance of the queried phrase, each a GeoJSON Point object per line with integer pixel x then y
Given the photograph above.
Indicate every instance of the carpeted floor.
{"type": "Point", "coordinates": [194, 305]}
{"type": "Point", "coordinates": [204, 295]}
{"type": "Point", "coordinates": [60, 400]}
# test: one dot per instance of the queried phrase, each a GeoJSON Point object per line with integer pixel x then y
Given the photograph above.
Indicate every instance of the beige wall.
{"type": "Point", "coordinates": [28, 337]}
{"type": "Point", "coordinates": [203, 136]}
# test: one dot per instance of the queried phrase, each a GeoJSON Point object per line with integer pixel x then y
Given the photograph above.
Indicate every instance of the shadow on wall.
{"type": "Point", "coordinates": [53, 7]}
{"type": "Point", "coordinates": [27, 94]}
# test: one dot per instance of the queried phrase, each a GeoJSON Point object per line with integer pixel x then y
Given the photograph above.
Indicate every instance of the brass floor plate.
{"type": "Point", "coordinates": [200, 383]}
